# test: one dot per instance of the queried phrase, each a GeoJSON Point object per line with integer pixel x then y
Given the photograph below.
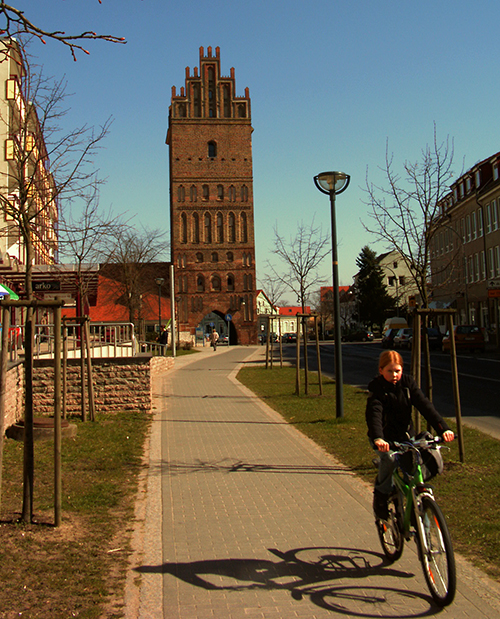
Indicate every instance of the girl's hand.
{"type": "Point", "coordinates": [448, 436]}
{"type": "Point", "coordinates": [382, 445]}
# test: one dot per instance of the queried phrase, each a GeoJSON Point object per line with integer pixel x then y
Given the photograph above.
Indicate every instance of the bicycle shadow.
{"type": "Point", "coordinates": [311, 572]}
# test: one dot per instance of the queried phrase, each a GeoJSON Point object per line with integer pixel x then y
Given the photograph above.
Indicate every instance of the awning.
{"type": "Point", "coordinates": [5, 290]}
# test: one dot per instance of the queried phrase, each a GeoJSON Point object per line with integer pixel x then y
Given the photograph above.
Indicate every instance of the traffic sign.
{"type": "Point", "coordinates": [494, 283]}
{"type": "Point", "coordinates": [229, 317]}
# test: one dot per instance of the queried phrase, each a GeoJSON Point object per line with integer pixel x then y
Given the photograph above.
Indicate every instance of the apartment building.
{"type": "Point", "coordinates": [465, 248]}
{"type": "Point", "coordinates": [27, 188]}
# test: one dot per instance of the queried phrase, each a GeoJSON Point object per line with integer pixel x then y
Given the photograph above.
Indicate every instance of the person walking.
{"type": "Point", "coordinates": [214, 337]}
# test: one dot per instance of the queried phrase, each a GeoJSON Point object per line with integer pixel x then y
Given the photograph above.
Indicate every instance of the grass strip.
{"type": "Point", "coordinates": [78, 569]}
{"type": "Point", "coordinates": [467, 492]}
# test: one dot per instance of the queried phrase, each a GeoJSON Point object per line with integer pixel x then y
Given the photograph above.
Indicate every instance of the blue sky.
{"type": "Point", "coordinates": [330, 82]}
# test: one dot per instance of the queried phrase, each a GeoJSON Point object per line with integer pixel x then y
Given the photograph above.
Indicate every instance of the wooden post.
{"type": "Point", "coordinates": [306, 360]}
{"type": "Point", "coordinates": [90, 379]}
{"type": "Point", "coordinates": [64, 368]}
{"type": "Point", "coordinates": [297, 348]}
{"type": "Point", "coordinates": [29, 448]}
{"type": "Point", "coordinates": [318, 355]}
{"type": "Point", "coordinates": [456, 392]}
{"type": "Point", "coordinates": [57, 418]}
{"type": "Point", "coordinates": [416, 361]}
{"type": "Point", "coordinates": [267, 342]}
{"type": "Point", "coordinates": [3, 383]}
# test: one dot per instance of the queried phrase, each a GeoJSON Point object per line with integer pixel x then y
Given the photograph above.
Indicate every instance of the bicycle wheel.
{"type": "Point", "coordinates": [436, 553]}
{"type": "Point", "coordinates": [390, 534]}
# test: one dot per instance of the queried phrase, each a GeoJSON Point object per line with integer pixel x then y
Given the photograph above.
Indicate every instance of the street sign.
{"type": "Point", "coordinates": [494, 283]}
{"type": "Point", "coordinates": [228, 317]}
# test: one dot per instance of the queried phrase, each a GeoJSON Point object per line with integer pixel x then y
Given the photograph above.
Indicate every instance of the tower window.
{"type": "Point", "coordinates": [220, 228]}
{"type": "Point", "coordinates": [230, 283]}
{"type": "Point", "coordinates": [216, 282]}
{"type": "Point", "coordinates": [200, 283]}
{"type": "Point", "coordinates": [183, 228]}
{"type": "Point", "coordinates": [212, 149]}
{"type": "Point", "coordinates": [206, 192]}
{"type": "Point", "coordinates": [232, 228]}
{"type": "Point", "coordinates": [196, 228]}
{"type": "Point", "coordinates": [208, 228]}
{"type": "Point", "coordinates": [244, 228]}
{"type": "Point", "coordinates": [215, 257]}
{"type": "Point", "coordinates": [220, 192]}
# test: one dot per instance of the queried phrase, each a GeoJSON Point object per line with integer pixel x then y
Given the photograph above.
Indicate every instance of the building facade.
{"type": "Point", "coordinates": [465, 248]}
{"type": "Point", "coordinates": [399, 281]}
{"type": "Point", "coordinates": [211, 203]}
{"type": "Point", "coordinates": [27, 187]}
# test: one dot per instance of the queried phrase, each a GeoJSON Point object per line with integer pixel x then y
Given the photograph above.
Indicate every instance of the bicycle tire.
{"type": "Point", "coordinates": [436, 553]}
{"type": "Point", "coordinates": [390, 534]}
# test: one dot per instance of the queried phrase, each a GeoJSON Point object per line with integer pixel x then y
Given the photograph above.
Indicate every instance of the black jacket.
{"type": "Point", "coordinates": [388, 409]}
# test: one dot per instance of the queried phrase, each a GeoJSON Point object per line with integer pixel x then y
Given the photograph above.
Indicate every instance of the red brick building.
{"type": "Point", "coordinates": [211, 203]}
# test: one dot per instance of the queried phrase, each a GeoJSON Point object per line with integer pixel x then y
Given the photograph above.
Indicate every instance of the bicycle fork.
{"type": "Point", "coordinates": [418, 495]}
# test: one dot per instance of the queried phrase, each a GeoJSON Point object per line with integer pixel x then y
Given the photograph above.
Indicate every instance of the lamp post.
{"type": "Point", "coordinates": [159, 283]}
{"type": "Point", "coordinates": [333, 183]}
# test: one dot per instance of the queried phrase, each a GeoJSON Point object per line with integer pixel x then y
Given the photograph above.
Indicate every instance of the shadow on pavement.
{"type": "Point", "coordinates": [310, 572]}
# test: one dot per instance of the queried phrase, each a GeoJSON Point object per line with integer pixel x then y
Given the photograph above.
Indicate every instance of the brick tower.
{"type": "Point", "coordinates": [211, 204]}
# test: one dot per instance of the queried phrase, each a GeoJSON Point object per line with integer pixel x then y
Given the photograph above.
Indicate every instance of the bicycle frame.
{"type": "Point", "coordinates": [410, 488]}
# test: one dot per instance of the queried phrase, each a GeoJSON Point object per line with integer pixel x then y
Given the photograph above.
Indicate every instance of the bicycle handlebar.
{"type": "Point", "coordinates": [421, 443]}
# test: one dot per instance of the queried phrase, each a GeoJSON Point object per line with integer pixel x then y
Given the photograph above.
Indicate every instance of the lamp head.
{"type": "Point", "coordinates": [332, 182]}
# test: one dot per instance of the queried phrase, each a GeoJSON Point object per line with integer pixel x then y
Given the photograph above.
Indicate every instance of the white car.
{"type": "Point", "coordinates": [402, 338]}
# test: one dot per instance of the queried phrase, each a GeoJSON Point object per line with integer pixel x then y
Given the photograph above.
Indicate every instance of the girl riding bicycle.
{"type": "Point", "coordinates": [389, 418]}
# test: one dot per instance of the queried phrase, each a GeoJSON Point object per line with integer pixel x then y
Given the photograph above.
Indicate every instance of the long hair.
{"type": "Point", "coordinates": [389, 356]}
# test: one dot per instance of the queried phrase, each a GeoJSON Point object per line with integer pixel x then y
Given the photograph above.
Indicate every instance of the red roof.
{"type": "Point", "coordinates": [110, 307]}
{"type": "Point", "coordinates": [293, 311]}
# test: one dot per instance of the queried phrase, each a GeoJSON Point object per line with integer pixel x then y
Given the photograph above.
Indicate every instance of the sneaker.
{"type": "Point", "coordinates": [380, 505]}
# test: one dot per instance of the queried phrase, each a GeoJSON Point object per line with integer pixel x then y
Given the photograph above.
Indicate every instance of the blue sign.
{"type": "Point", "coordinates": [229, 317]}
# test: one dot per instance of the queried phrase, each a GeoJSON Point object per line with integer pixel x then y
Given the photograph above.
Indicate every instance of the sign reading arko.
{"type": "Point", "coordinates": [46, 286]}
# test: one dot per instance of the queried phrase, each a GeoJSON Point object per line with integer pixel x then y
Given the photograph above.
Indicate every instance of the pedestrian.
{"type": "Point", "coordinates": [388, 416]}
{"type": "Point", "coordinates": [163, 339]}
{"type": "Point", "coordinates": [214, 336]}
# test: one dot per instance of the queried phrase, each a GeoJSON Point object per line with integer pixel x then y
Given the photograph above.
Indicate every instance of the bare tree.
{"type": "Point", "coordinates": [301, 257]}
{"type": "Point", "coordinates": [43, 165]}
{"type": "Point", "coordinates": [404, 211]}
{"type": "Point", "coordinates": [15, 22]}
{"type": "Point", "coordinates": [132, 258]}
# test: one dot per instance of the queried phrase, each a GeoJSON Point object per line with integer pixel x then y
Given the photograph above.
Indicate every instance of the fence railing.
{"type": "Point", "coordinates": [105, 340]}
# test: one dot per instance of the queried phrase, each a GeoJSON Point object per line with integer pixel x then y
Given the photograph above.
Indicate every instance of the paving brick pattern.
{"type": "Point", "coordinates": [247, 518]}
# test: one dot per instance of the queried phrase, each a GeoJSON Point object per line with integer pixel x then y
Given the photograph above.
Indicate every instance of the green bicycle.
{"type": "Point", "coordinates": [414, 513]}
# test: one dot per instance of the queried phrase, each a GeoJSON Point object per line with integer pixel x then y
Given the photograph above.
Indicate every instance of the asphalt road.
{"type": "Point", "coordinates": [479, 378]}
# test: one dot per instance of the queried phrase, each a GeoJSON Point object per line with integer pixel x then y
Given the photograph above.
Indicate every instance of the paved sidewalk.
{"type": "Point", "coordinates": [243, 516]}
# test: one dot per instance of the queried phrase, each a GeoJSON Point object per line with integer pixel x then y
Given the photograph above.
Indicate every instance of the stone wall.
{"type": "Point", "coordinates": [119, 384]}
{"type": "Point", "coordinates": [14, 400]}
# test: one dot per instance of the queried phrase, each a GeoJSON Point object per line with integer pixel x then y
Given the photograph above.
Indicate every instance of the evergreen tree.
{"type": "Point", "coordinates": [372, 296]}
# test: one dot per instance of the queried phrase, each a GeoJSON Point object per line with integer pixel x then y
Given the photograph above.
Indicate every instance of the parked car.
{"type": "Point", "coordinates": [467, 337]}
{"type": "Point", "coordinates": [388, 338]}
{"type": "Point", "coordinates": [434, 336]}
{"type": "Point", "coordinates": [358, 335]}
{"type": "Point", "coordinates": [402, 338]}
{"type": "Point", "coordinates": [223, 339]}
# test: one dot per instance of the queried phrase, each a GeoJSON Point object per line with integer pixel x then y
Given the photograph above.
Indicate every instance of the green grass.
{"type": "Point", "coordinates": [467, 492]}
{"type": "Point", "coordinates": [69, 571]}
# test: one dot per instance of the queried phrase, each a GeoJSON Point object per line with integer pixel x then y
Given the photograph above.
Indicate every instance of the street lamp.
{"type": "Point", "coordinates": [159, 283]}
{"type": "Point", "coordinates": [333, 183]}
